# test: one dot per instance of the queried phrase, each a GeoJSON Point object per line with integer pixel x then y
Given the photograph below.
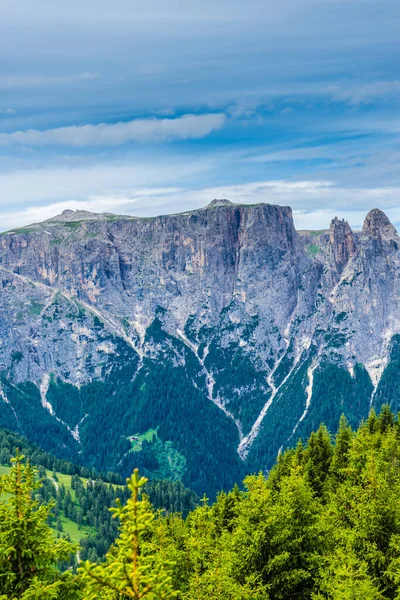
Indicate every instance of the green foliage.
{"type": "Point", "coordinates": [279, 538]}
{"type": "Point", "coordinates": [138, 439]}
{"type": "Point", "coordinates": [171, 463]}
{"type": "Point", "coordinates": [16, 356]}
{"type": "Point", "coordinates": [312, 249]}
{"type": "Point", "coordinates": [346, 577]}
{"type": "Point", "coordinates": [82, 496]}
{"type": "Point", "coordinates": [128, 571]}
{"type": "Point", "coordinates": [317, 459]}
{"type": "Point", "coordinates": [10, 441]}
{"type": "Point", "coordinates": [29, 552]}
{"type": "Point", "coordinates": [336, 392]}
{"type": "Point", "coordinates": [388, 391]}
{"type": "Point", "coordinates": [340, 457]}
{"type": "Point", "coordinates": [323, 525]}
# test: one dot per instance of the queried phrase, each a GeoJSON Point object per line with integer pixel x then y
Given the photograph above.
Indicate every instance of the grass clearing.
{"type": "Point", "coordinates": [138, 439]}
{"type": "Point", "coordinates": [72, 529]}
{"type": "Point", "coordinates": [69, 527]}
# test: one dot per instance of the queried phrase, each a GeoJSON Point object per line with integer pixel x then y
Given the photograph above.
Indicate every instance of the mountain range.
{"type": "Point", "coordinates": [197, 345]}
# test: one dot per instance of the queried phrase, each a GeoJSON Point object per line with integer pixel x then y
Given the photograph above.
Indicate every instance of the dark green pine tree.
{"type": "Point", "coordinates": [317, 459]}
{"type": "Point", "coordinates": [340, 457]}
{"type": "Point", "coordinates": [386, 418]}
{"type": "Point", "coordinates": [372, 421]}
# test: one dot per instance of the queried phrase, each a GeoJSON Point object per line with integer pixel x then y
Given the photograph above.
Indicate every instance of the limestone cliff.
{"type": "Point", "coordinates": [250, 310]}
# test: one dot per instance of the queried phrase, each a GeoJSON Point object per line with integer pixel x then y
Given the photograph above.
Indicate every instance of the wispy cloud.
{"type": "Point", "coordinates": [314, 202]}
{"type": "Point", "coordinates": [276, 96]}
{"type": "Point", "coordinates": [341, 151]}
{"type": "Point", "coordinates": [138, 130]}
{"type": "Point", "coordinates": [34, 81]}
{"type": "Point", "coordinates": [294, 154]}
{"type": "Point", "coordinates": [120, 179]}
{"type": "Point", "coordinates": [364, 93]}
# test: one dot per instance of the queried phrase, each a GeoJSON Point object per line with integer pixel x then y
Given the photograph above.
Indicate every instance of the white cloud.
{"type": "Point", "coordinates": [314, 202]}
{"type": "Point", "coordinates": [140, 130]}
{"type": "Point", "coordinates": [45, 186]}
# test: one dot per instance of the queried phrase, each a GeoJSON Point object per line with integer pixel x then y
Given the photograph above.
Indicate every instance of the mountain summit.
{"type": "Point", "coordinates": [219, 202]}
{"type": "Point", "coordinates": [69, 216]}
{"type": "Point", "coordinates": [377, 225]}
{"type": "Point", "coordinates": [206, 341]}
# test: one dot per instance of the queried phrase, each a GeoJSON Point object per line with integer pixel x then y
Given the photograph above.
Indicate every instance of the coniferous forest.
{"type": "Point", "coordinates": [324, 523]}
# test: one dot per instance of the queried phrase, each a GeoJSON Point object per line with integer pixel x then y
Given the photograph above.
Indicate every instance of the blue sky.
{"type": "Point", "coordinates": [154, 107]}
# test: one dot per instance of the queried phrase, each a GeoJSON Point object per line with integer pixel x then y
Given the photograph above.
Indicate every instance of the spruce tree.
{"type": "Point", "coordinates": [340, 456]}
{"type": "Point", "coordinates": [29, 550]}
{"type": "Point", "coordinates": [372, 421]}
{"type": "Point", "coordinates": [346, 577]}
{"type": "Point", "coordinates": [386, 418]}
{"type": "Point", "coordinates": [278, 538]}
{"type": "Point", "coordinates": [128, 571]}
{"type": "Point", "coordinates": [317, 459]}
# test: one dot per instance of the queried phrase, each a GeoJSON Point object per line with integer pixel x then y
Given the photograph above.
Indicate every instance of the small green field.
{"type": "Point", "coordinates": [69, 527]}
{"type": "Point", "coordinates": [72, 529]}
{"type": "Point", "coordinates": [65, 480]}
{"type": "Point", "coordinates": [62, 478]}
{"type": "Point", "coordinates": [36, 308]}
{"type": "Point", "coordinates": [138, 439]}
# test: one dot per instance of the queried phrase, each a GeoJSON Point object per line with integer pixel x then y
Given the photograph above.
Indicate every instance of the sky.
{"type": "Point", "coordinates": [159, 106]}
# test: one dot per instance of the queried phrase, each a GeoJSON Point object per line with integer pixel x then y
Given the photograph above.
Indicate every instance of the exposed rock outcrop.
{"type": "Point", "coordinates": [378, 226]}
{"type": "Point", "coordinates": [259, 307]}
{"type": "Point", "coordinates": [342, 243]}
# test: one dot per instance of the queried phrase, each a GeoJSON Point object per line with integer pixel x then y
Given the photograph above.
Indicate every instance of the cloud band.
{"type": "Point", "coordinates": [139, 130]}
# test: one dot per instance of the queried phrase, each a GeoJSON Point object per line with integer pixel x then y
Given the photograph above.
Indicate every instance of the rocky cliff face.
{"type": "Point", "coordinates": [269, 329]}
{"type": "Point", "coordinates": [342, 244]}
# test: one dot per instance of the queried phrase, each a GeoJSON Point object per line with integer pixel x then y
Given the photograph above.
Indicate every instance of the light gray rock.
{"type": "Point", "coordinates": [240, 275]}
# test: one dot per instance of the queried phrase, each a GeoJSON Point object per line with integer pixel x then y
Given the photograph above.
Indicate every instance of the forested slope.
{"type": "Point", "coordinates": [324, 524]}
{"type": "Point", "coordinates": [82, 497]}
